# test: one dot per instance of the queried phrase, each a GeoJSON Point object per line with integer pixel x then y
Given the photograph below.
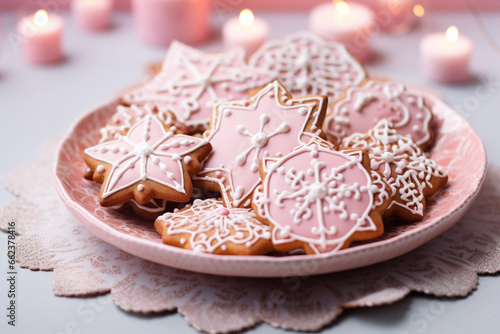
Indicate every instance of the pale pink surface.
{"type": "Point", "coordinates": [458, 150]}
{"type": "Point", "coordinates": [191, 82]}
{"type": "Point", "coordinates": [295, 206]}
{"type": "Point", "coordinates": [364, 106]}
{"type": "Point", "coordinates": [159, 22]}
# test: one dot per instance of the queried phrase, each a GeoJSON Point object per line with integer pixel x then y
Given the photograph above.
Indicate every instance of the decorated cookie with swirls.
{"type": "Point", "coordinates": [191, 82]}
{"type": "Point", "coordinates": [375, 100]}
{"type": "Point", "coordinates": [207, 226]}
{"type": "Point", "coordinates": [306, 64]}
{"type": "Point", "coordinates": [270, 123]}
{"type": "Point", "coordinates": [148, 162]}
{"type": "Point", "coordinates": [126, 116]}
{"type": "Point", "coordinates": [318, 199]}
{"type": "Point", "coordinates": [405, 168]}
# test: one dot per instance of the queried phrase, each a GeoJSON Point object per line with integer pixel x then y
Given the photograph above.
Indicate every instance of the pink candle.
{"type": "Point", "coordinates": [445, 57]}
{"type": "Point", "coordinates": [395, 16]}
{"type": "Point", "coordinates": [159, 22]}
{"type": "Point", "coordinates": [245, 31]}
{"type": "Point", "coordinates": [92, 15]}
{"type": "Point", "coordinates": [349, 24]}
{"type": "Point", "coordinates": [41, 34]}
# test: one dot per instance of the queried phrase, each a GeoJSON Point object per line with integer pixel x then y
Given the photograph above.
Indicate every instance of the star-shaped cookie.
{"type": "Point", "coordinates": [126, 116]}
{"type": "Point", "coordinates": [269, 123]}
{"type": "Point", "coordinates": [148, 162]}
{"type": "Point", "coordinates": [191, 82]}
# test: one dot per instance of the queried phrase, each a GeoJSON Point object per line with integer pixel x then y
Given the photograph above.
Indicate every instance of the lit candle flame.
{"type": "Point", "coordinates": [418, 10]}
{"type": "Point", "coordinates": [41, 18]}
{"type": "Point", "coordinates": [246, 17]}
{"type": "Point", "coordinates": [451, 34]}
{"type": "Point", "coordinates": [342, 7]}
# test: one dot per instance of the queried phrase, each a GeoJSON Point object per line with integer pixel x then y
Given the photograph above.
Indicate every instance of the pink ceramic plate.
{"type": "Point", "coordinates": [458, 149]}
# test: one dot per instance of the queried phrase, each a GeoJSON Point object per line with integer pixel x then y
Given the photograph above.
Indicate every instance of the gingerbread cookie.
{"type": "Point", "coordinates": [191, 82]}
{"type": "Point", "coordinates": [382, 196]}
{"type": "Point", "coordinates": [306, 64]}
{"type": "Point", "coordinates": [410, 174]}
{"type": "Point", "coordinates": [126, 116]}
{"type": "Point", "coordinates": [209, 227]}
{"type": "Point", "coordinates": [149, 211]}
{"type": "Point", "coordinates": [318, 199]}
{"type": "Point", "coordinates": [149, 162]}
{"type": "Point", "coordinates": [363, 106]}
{"type": "Point", "coordinates": [269, 123]}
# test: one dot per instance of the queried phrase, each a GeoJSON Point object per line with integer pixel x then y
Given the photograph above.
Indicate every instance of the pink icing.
{"type": "Point", "coordinates": [191, 82]}
{"type": "Point", "coordinates": [364, 106]}
{"type": "Point", "coordinates": [309, 65]}
{"type": "Point", "coordinates": [318, 196]}
{"type": "Point", "coordinates": [244, 134]}
{"type": "Point", "coordinates": [147, 152]}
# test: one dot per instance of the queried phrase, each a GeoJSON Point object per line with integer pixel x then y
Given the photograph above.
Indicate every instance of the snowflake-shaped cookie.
{"type": "Point", "coordinates": [208, 226]}
{"type": "Point", "coordinates": [268, 124]}
{"type": "Point", "coordinates": [363, 106]}
{"type": "Point", "coordinates": [410, 174]}
{"type": "Point", "coordinates": [318, 199]}
{"type": "Point", "coordinates": [149, 162]}
{"type": "Point", "coordinates": [191, 82]}
{"type": "Point", "coordinates": [309, 65]}
{"type": "Point", "coordinates": [126, 116]}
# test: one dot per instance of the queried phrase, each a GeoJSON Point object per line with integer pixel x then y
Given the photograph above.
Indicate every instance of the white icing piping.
{"type": "Point", "coordinates": [272, 88]}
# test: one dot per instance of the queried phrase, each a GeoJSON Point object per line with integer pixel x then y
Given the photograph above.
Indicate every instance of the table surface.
{"type": "Point", "coordinates": [40, 103]}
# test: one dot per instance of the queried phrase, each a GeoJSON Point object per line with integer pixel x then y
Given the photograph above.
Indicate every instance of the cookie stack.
{"type": "Point", "coordinates": [295, 150]}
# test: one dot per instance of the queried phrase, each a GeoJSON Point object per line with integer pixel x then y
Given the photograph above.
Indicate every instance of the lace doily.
{"type": "Point", "coordinates": [83, 265]}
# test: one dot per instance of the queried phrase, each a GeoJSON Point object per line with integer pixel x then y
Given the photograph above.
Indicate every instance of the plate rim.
{"type": "Point", "coordinates": [117, 238]}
